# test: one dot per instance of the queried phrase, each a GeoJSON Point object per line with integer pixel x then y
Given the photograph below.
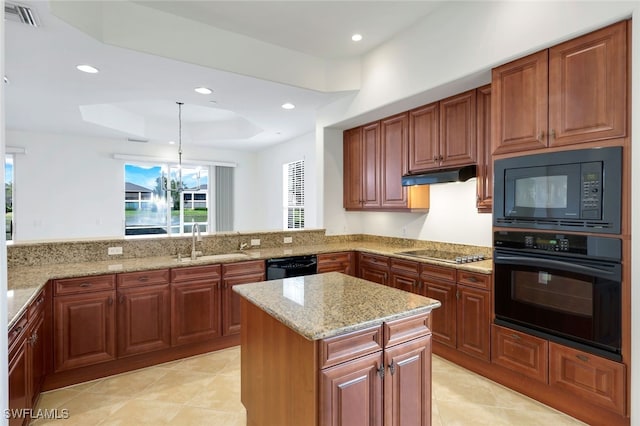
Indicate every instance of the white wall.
{"type": "Point", "coordinates": [269, 200]}
{"type": "Point", "coordinates": [70, 187]}
{"type": "Point", "coordinates": [4, 386]}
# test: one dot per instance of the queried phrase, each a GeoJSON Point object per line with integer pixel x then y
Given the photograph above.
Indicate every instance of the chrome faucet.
{"type": "Point", "coordinates": [195, 236]}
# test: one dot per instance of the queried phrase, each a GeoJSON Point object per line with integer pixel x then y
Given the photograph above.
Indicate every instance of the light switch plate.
{"type": "Point", "coordinates": [288, 240]}
{"type": "Point", "coordinates": [255, 242]}
{"type": "Point", "coordinates": [114, 250]}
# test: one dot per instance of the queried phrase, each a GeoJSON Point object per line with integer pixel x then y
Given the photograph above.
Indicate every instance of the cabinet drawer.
{"type": "Point", "coordinates": [405, 266]}
{"type": "Point", "coordinates": [17, 330]}
{"type": "Point", "coordinates": [597, 380]}
{"type": "Point", "coordinates": [473, 279]}
{"type": "Point", "coordinates": [38, 304]}
{"type": "Point", "coordinates": [195, 273]}
{"type": "Point", "coordinates": [520, 352]}
{"type": "Point", "coordinates": [344, 257]}
{"type": "Point", "coordinates": [434, 271]}
{"type": "Point", "coordinates": [142, 278]}
{"type": "Point", "coordinates": [336, 350]}
{"type": "Point", "coordinates": [84, 284]}
{"type": "Point", "coordinates": [405, 329]}
{"type": "Point", "coordinates": [243, 268]}
{"type": "Point", "coordinates": [374, 260]}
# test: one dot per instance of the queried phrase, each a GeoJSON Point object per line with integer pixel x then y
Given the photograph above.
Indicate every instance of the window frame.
{"type": "Point", "coordinates": [293, 189]}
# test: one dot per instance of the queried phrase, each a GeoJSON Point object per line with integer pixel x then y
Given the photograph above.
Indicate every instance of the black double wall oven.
{"type": "Point", "coordinates": [559, 275]}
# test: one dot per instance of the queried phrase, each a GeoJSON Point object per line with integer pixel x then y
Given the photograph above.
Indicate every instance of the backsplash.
{"type": "Point", "coordinates": [47, 253]}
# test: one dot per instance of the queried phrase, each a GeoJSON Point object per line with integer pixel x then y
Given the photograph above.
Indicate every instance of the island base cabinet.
{"type": "Point", "coordinates": [407, 393]}
{"type": "Point", "coordinates": [351, 393]}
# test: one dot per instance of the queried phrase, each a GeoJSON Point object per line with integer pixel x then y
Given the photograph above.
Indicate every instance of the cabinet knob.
{"type": "Point", "coordinates": [85, 284]}
{"type": "Point", "coordinates": [143, 279]}
{"type": "Point", "coordinates": [110, 301]}
{"type": "Point", "coordinates": [381, 371]}
{"type": "Point", "coordinates": [552, 133]}
{"type": "Point", "coordinates": [541, 136]}
{"type": "Point", "coordinates": [121, 299]}
{"type": "Point", "coordinates": [515, 336]}
{"type": "Point", "coordinates": [392, 368]}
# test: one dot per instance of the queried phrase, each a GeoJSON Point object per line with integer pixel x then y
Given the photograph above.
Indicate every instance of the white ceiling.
{"type": "Point", "coordinates": [135, 93]}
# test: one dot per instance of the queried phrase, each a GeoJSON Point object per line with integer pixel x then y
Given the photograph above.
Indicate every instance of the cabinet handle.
{"type": "Point", "coordinates": [541, 136]}
{"type": "Point", "coordinates": [226, 286]}
{"type": "Point", "coordinates": [515, 336]}
{"type": "Point", "coordinates": [441, 158]}
{"type": "Point", "coordinates": [392, 368]}
{"type": "Point", "coordinates": [18, 329]}
{"type": "Point", "coordinates": [85, 284]}
{"type": "Point", "coordinates": [110, 301]}
{"type": "Point", "coordinates": [381, 371]}
{"type": "Point", "coordinates": [552, 133]}
{"type": "Point", "coordinates": [582, 358]}
{"type": "Point", "coordinates": [121, 299]}
{"type": "Point", "coordinates": [143, 279]}
{"type": "Point", "coordinates": [457, 294]}
{"type": "Point", "coordinates": [40, 300]}
{"type": "Point", "coordinates": [33, 339]}
{"type": "Point", "coordinates": [472, 279]}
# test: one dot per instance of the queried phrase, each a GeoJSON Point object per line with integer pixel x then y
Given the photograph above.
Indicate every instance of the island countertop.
{"type": "Point", "coordinates": [325, 305]}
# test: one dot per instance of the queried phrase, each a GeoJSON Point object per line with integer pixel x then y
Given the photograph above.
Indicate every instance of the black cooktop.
{"type": "Point", "coordinates": [443, 256]}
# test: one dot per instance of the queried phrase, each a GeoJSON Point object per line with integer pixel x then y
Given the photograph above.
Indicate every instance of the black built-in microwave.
{"type": "Point", "coordinates": [577, 190]}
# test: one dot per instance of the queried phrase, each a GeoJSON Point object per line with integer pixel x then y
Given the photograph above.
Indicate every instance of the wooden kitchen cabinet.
{"type": "Point", "coordinates": [18, 369]}
{"type": "Point", "coordinates": [572, 93]}
{"type": "Point", "coordinates": [440, 284]}
{"type": "Point", "coordinates": [195, 304]}
{"type": "Point", "coordinates": [144, 314]}
{"type": "Point", "coordinates": [484, 189]}
{"type": "Point", "coordinates": [352, 151]}
{"type": "Point", "coordinates": [520, 352]}
{"type": "Point", "coordinates": [234, 274]}
{"type": "Point", "coordinates": [371, 164]}
{"type": "Point", "coordinates": [405, 275]}
{"type": "Point", "coordinates": [373, 267]}
{"type": "Point", "coordinates": [473, 322]}
{"type": "Point", "coordinates": [337, 262]}
{"type": "Point", "coordinates": [595, 379]}
{"type": "Point", "coordinates": [84, 321]}
{"type": "Point", "coordinates": [443, 135]}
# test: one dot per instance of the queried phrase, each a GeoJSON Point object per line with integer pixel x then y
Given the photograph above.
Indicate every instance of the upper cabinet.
{"type": "Point", "coordinates": [572, 93]}
{"type": "Point", "coordinates": [443, 134]}
{"type": "Point", "coordinates": [375, 158]}
{"type": "Point", "coordinates": [484, 190]}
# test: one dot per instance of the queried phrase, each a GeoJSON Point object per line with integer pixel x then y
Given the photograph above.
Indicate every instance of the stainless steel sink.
{"type": "Point", "coordinates": [214, 258]}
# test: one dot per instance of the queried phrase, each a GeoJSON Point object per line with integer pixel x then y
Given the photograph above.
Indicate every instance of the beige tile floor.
{"type": "Point", "coordinates": [205, 390]}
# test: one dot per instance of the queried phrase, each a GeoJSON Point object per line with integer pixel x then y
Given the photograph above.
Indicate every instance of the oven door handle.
{"type": "Point", "coordinates": [558, 264]}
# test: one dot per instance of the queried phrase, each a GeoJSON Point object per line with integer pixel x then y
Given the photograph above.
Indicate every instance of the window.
{"type": "Point", "coordinates": [293, 174]}
{"type": "Point", "coordinates": [8, 195]}
{"type": "Point", "coordinates": [151, 209]}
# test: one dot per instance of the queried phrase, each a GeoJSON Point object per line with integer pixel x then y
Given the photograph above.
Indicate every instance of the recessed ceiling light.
{"type": "Point", "coordinates": [6, 80]}
{"type": "Point", "coordinates": [356, 37]}
{"type": "Point", "coordinates": [288, 105]}
{"type": "Point", "coordinates": [172, 142]}
{"type": "Point", "coordinates": [88, 68]}
{"type": "Point", "coordinates": [203, 90]}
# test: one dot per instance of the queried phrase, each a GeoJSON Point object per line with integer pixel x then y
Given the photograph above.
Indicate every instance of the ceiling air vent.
{"type": "Point", "coordinates": [20, 13]}
{"type": "Point", "coordinates": [138, 140]}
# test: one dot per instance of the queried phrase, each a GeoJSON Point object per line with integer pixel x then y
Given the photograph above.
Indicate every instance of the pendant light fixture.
{"type": "Point", "coordinates": [179, 186]}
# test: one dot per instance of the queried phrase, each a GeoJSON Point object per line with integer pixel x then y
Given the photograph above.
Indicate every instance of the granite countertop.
{"type": "Point", "coordinates": [24, 282]}
{"type": "Point", "coordinates": [330, 304]}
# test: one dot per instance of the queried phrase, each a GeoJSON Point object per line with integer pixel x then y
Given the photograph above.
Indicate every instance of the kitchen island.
{"type": "Point", "coordinates": [331, 349]}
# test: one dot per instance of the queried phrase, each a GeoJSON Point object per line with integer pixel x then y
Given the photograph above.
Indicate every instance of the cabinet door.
{"type": "Point", "coordinates": [458, 130]}
{"type": "Point", "coordinates": [520, 352]}
{"type": "Point", "coordinates": [588, 87]}
{"type": "Point", "coordinates": [351, 393]}
{"type": "Point", "coordinates": [484, 190]}
{"type": "Point", "coordinates": [84, 329]}
{"type": "Point", "coordinates": [371, 165]}
{"type": "Point", "coordinates": [407, 386]}
{"type": "Point", "coordinates": [443, 319]}
{"type": "Point", "coordinates": [37, 355]}
{"type": "Point", "coordinates": [375, 275]}
{"type": "Point", "coordinates": [474, 322]}
{"type": "Point", "coordinates": [405, 275]}
{"type": "Point", "coordinates": [18, 383]}
{"type": "Point", "coordinates": [394, 163]}
{"type": "Point", "coordinates": [231, 301]}
{"type": "Point", "coordinates": [352, 168]}
{"type": "Point", "coordinates": [424, 136]}
{"type": "Point", "coordinates": [195, 311]}
{"type": "Point", "coordinates": [519, 104]}
{"type": "Point", "coordinates": [337, 262]}
{"type": "Point", "coordinates": [597, 380]}
{"type": "Point", "coordinates": [144, 319]}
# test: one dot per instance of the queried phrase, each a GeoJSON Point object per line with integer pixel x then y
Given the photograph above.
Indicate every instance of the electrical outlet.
{"type": "Point", "coordinates": [288, 240]}
{"type": "Point", "coordinates": [114, 250]}
{"type": "Point", "coordinates": [255, 242]}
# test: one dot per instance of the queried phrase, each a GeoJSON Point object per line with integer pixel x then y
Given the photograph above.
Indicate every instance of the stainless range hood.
{"type": "Point", "coordinates": [460, 174]}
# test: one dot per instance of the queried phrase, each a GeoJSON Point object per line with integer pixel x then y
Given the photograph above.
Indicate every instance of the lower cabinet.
{"type": "Point", "coordinates": [373, 267]}
{"type": "Point", "coordinates": [390, 386]}
{"type": "Point", "coordinates": [520, 352]}
{"type": "Point", "coordinates": [195, 304]}
{"type": "Point", "coordinates": [234, 274]}
{"type": "Point", "coordinates": [440, 284]}
{"type": "Point", "coordinates": [18, 379]}
{"type": "Point", "coordinates": [405, 275]}
{"type": "Point", "coordinates": [337, 262]}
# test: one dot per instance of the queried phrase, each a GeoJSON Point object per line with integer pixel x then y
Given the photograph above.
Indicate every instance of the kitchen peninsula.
{"type": "Point", "coordinates": [334, 349]}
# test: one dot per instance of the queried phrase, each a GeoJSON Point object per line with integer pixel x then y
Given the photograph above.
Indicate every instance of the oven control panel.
{"type": "Point", "coordinates": [562, 244]}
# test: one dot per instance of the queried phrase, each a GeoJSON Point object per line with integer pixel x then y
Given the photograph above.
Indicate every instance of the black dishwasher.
{"type": "Point", "coordinates": [293, 266]}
